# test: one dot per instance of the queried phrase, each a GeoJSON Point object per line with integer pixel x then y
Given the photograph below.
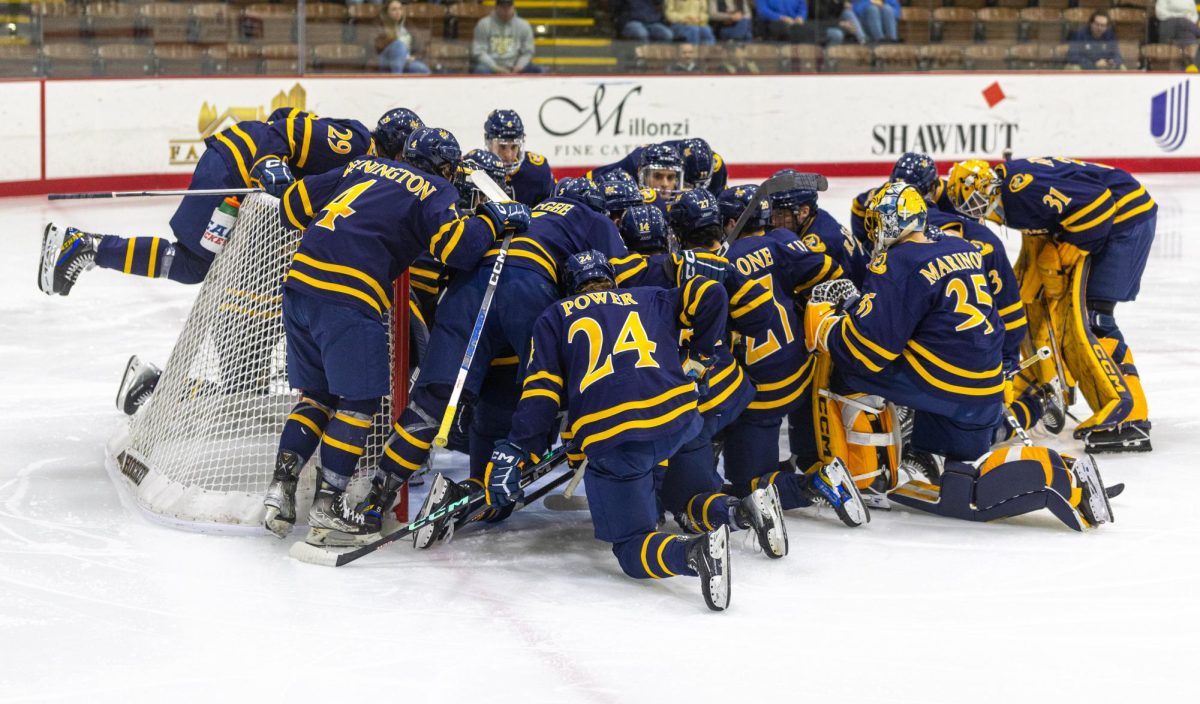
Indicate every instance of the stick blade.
{"type": "Point", "coordinates": [562, 502]}
{"type": "Point", "coordinates": [313, 555]}
{"type": "Point", "coordinates": [487, 186]}
{"type": "Point", "coordinates": [787, 181]}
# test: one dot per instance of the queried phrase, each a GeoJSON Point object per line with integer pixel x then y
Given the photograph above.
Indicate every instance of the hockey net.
{"type": "Point", "coordinates": [200, 453]}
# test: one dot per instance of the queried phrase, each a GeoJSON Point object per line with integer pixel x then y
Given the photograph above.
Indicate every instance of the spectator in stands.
{"type": "Point", "coordinates": [839, 15]}
{"type": "Point", "coordinates": [689, 21]}
{"type": "Point", "coordinates": [878, 18]}
{"type": "Point", "coordinates": [688, 54]}
{"type": "Point", "coordinates": [731, 19]}
{"type": "Point", "coordinates": [641, 20]}
{"type": "Point", "coordinates": [1177, 21]}
{"type": "Point", "coordinates": [1094, 46]}
{"type": "Point", "coordinates": [787, 20]}
{"type": "Point", "coordinates": [395, 43]}
{"type": "Point", "coordinates": [503, 42]}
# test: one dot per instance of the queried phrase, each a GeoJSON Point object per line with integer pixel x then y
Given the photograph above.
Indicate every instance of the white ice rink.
{"type": "Point", "coordinates": [96, 604]}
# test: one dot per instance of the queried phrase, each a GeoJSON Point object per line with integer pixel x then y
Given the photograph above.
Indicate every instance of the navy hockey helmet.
{"type": "Point", "coordinates": [794, 198]}
{"type": "Point", "coordinates": [433, 150]}
{"type": "Point", "coordinates": [393, 130]}
{"type": "Point", "coordinates": [917, 170]}
{"type": "Point", "coordinates": [698, 162]}
{"type": "Point", "coordinates": [469, 197]}
{"type": "Point", "coordinates": [503, 124]}
{"type": "Point", "coordinates": [618, 175]}
{"type": "Point", "coordinates": [733, 201]}
{"type": "Point", "coordinates": [620, 195]}
{"type": "Point", "coordinates": [644, 230]}
{"type": "Point", "coordinates": [695, 218]}
{"type": "Point", "coordinates": [587, 267]}
{"type": "Point", "coordinates": [581, 190]}
{"type": "Point", "coordinates": [661, 168]}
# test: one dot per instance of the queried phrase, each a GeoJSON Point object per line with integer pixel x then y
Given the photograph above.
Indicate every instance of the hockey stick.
{"type": "Point", "coordinates": [775, 184]}
{"type": "Point", "coordinates": [147, 194]}
{"type": "Point", "coordinates": [321, 556]}
{"type": "Point", "coordinates": [568, 501]}
{"type": "Point", "coordinates": [494, 193]}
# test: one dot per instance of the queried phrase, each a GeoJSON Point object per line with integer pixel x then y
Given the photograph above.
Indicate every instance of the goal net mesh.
{"type": "Point", "coordinates": [200, 453]}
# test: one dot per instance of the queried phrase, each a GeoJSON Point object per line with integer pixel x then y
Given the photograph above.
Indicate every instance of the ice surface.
{"type": "Point", "coordinates": [97, 603]}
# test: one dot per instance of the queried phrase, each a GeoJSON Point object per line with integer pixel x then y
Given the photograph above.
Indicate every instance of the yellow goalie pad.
{"type": "Point", "coordinates": [1054, 289]}
{"type": "Point", "coordinates": [862, 430]}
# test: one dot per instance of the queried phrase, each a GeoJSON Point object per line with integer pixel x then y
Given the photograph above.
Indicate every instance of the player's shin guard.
{"type": "Point", "coordinates": [653, 555]}
{"type": "Point", "coordinates": [140, 256]}
{"type": "Point", "coordinates": [408, 445]}
{"type": "Point", "coordinates": [345, 440]}
{"type": "Point", "coordinates": [305, 425]}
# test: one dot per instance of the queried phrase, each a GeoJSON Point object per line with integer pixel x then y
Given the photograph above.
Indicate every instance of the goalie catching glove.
{"type": "Point", "coordinates": [829, 302]}
{"type": "Point", "coordinates": [273, 175]}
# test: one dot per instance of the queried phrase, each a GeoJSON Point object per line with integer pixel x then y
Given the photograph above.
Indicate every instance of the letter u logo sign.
{"type": "Point", "coordinates": [1169, 117]}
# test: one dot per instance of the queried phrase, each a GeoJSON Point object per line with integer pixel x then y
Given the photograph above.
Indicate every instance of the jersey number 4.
{"type": "Point", "coordinates": [632, 338]}
{"type": "Point", "coordinates": [958, 289]}
{"type": "Point", "coordinates": [340, 207]}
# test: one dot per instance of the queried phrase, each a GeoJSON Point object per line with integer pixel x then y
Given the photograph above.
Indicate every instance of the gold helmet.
{"type": "Point", "coordinates": [973, 188]}
{"type": "Point", "coordinates": [896, 210]}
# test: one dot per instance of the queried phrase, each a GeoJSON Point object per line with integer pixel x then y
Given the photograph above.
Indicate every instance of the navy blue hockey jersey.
{"type": "Point", "coordinates": [612, 359]}
{"type": "Point", "coordinates": [1081, 202]}
{"type": "Point", "coordinates": [365, 224]}
{"type": "Point", "coordinates": [929, 308]}
{"type": "Point", "coordinates": [823, 234]}
{"type": "Point", "coordinates": [309, 144]}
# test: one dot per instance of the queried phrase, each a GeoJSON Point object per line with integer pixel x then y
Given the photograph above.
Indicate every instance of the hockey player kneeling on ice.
{"type": "Point", "coordinates": [689, 486]}
{"type": "Point", "coordinates": [925, 334]}
{"type": "Point", "coordinates": [612, 358]}
{"type": "Point", "coordinates": [363, 226]}
{"type": "Point", "coordinates": [778, 365]}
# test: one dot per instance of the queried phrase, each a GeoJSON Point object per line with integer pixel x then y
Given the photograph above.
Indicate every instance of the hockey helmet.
{"type": "Point", "coordinates": [644, 230]}
{"type": "Point", "coordinates": [393, 130]}
{"type": "Point", "coordinates": [581, 190]}
{"type": "Point", "coordinates": [433, 150]}
{"type": "Point", "coordinates": [896, 211]}
{"type": "Point", "coordinates": [917, 170]}
{"type": "Point", "coordinates": [586, 267]}
{"type": "Point", "coordinates": [973, 188]}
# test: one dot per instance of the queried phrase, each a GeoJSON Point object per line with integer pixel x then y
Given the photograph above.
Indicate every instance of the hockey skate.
{"type": "Point", "coordinates": [832, 485]}
{"type": "Point", "coordinates": [1094, 505]}
{"type": "Point", "coordinates": [708, 554]}
{"type": "Point", "coordinates": [66, 253]}
{"type": "Point", "coordinates": [333, 522]}
{"type": "Point", "coordinates": [137, 383]}
{"type": "Point", "coordinates": [1127, 437]}
{"type": "Point", "coordinates": [378, 501]}
{"type": "Point", "coordinates": [442, 492]}
{"type": "Point", "coordinates": [761, 513]}
{"type": "Point", "coordinates": [280, 500]}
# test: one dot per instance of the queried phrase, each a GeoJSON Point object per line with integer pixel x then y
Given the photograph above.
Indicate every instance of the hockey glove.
{"type": "Point", "coordinates": [819, 319]}
{"type": "Point", "coordinates": [502, 476]}
{"type": "Point", "coordinates": [690, 264]}
{"type": "Point", "coordinates": [510, 217]}
{"type": "Point", "coordinates": [272, 175]}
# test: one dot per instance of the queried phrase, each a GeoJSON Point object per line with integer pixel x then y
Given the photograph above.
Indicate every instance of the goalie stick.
{"type": "Point", "coordinates": [467, 505]}
{"type": "Point", "coordinates": [495, 194]}
{"type": "Point", "coordinates": [775, 184]}
{"type": "Point", "coordinates": [147, 194]}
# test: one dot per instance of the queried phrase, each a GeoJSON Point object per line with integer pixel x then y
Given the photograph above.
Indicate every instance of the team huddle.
{"type": "Point", "coordinates": [648, 320]}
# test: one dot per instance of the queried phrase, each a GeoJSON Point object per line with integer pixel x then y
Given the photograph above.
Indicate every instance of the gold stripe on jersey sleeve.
{"type": "Point", "coordinates": [237, 157]}
{"type": "Point", "coordinates": [877, 349]}
{"type": "Point", "coordinates": [715, 401]}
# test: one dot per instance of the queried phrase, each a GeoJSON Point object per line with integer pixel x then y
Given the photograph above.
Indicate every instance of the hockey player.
{"type": "Point", "coordinates": [529, 174]}
{"type": "Point", "coordinates": [644, 231]}
{"type": "Point", "coordinates": [702, 167]}
{"type": "Point", "coordinates": [574, 220]}
{"type": "Point", "coordinates": [363, 225]}
{"type": "Point", "coordinates": [925, 333]}
{"type": "Point", "coordinates": [611, 359]}
{"type": "Point", "coordinates": [919, 171]}
{"type": "Point", "coordinates": [1088, 230]}
{"type": "Point", "coordinates": [796, 210]}
{"type": "Point", "coordinates": [269, 155]}
{"type": "Point", "coordinates": [780, 368]}
{"type": "Point", "coordinates": [620, 195]}
{"type": "Point", "coordinates": [660, 175]}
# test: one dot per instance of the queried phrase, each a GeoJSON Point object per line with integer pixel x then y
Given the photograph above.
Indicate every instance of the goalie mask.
{"type": "Point", "coordinates": [896, 211]}
{"type": "Point", "coordinates": [504, 135]}
{"type": "Point", "coordinates": [973, 188]}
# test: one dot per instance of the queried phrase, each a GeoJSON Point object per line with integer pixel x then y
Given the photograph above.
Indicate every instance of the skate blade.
{"type": "Point", "coordinates": [330, 537]}
{"type": "Point", "coordinates": [52, 239]}
{"type": "Point", "coordinates": [853, 512]}
{"type": "Point", "coordinates": [313, 555]}
{"type": "Point", "coordinates": [1089, 474]}
{"type": "Point", "coordinates": [717, 587]}
{"type": "Point", "coordinates": [770, 508]}
{"type": "Point", "coordinates": [126, 380]}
